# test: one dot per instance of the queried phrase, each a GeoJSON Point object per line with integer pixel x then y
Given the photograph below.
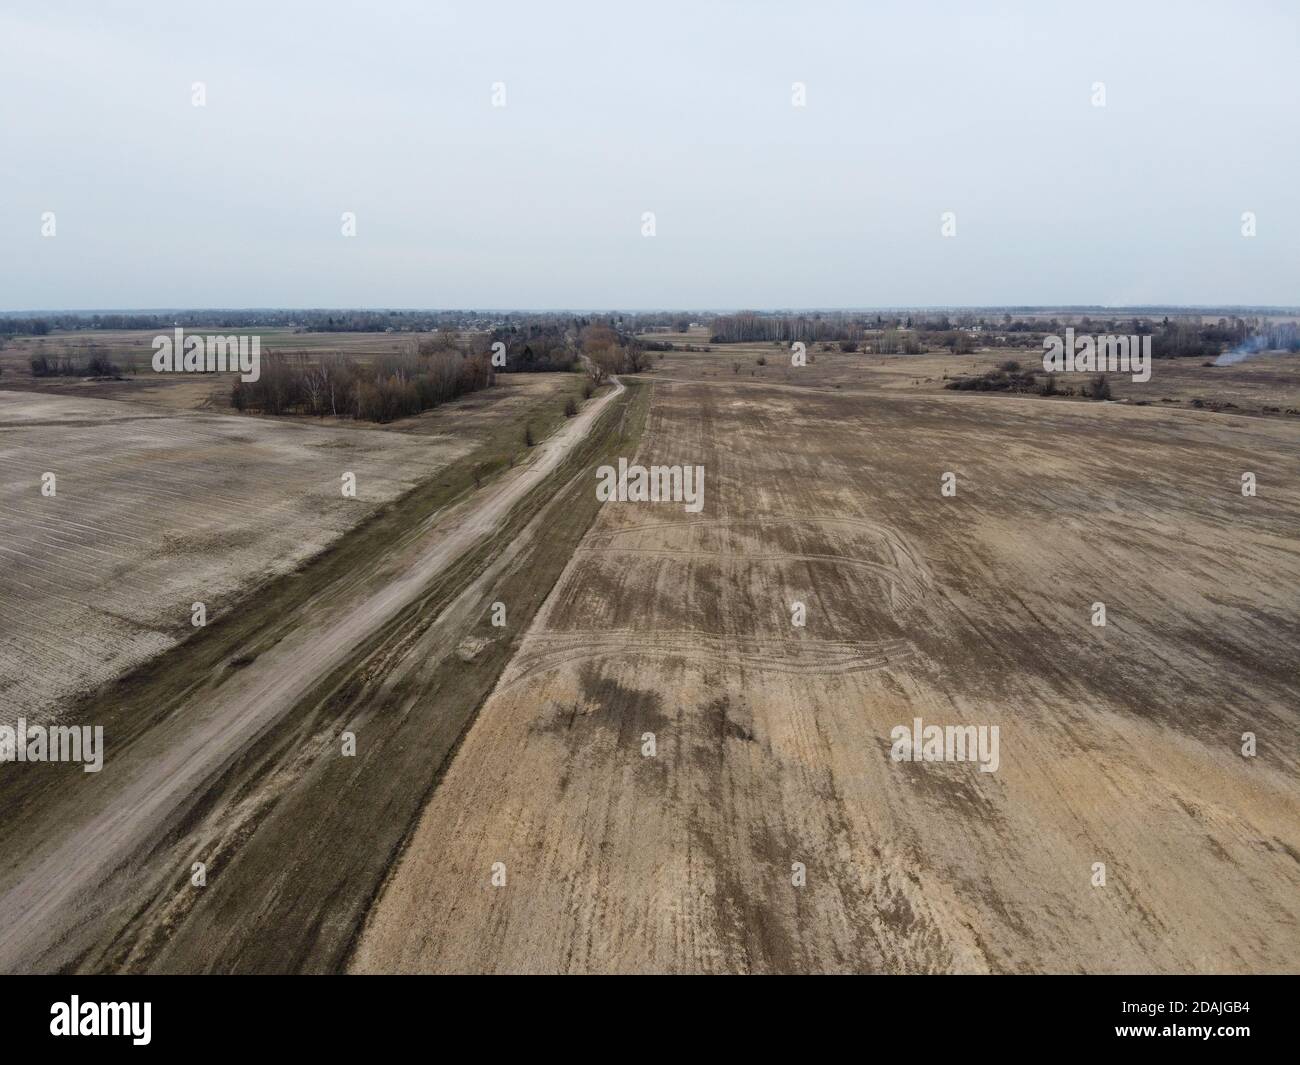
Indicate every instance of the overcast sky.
{"type": "Point", "coordinates": [612, 110]}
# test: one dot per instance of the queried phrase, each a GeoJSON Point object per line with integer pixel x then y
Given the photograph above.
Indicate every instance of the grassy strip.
{"type": "Point", "coordinates": [290, 885]}
{"type": "Point", "coordinates": [45, 795]}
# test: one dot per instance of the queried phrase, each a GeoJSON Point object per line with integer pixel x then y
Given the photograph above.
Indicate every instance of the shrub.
{"type": "Point", "coordinates": [995, 381]}
{"type": "Point", "coordinates": [570, 407]}
{"type": "Point", "coordinates": [528, 436]}
{"type": "Point", "coordinates": [97, 364]}
{"type": "Point", "coordinates": [1100, 387]}
{"type": "Point", "coordinates": [100, 366]}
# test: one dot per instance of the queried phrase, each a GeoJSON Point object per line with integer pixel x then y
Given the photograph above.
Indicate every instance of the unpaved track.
{"type": "Point", "coordinates": [55, 887]}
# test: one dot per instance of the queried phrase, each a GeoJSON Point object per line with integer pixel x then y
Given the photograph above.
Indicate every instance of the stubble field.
{"type": "Point", "coordinates": [771, 748]}
{"type": "Point", "coordinates": [157, 507]}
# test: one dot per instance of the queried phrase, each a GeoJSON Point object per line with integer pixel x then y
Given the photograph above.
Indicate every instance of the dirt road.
{"type": "Point", "coordinates": [53, 888]}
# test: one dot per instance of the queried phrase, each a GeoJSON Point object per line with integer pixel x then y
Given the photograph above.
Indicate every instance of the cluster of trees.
{"type": "Point", "coordinates": [550, 344]}
{"type": "Point", "coordinates": [958, 341]}
{"type": "Point", "coordinates": [913, 333]}
{"type": "Point", "coordinates": [1171, 338]}
{"type": "Point", "coordinates": [1174, 340]}
{"type": "Point", "coordinates": [607, 351]}
{"type": "Point", "coordinates": [323, 321]}
{"type": "Point", "coordinates": [1284, 336]}
{"type": "Point", "coordinates": [542, 346]}
{"type": "Point", "coordinates": [385, 321]}
{"type": "Point", "coordinates": [392, 386]}
{"type": "Point", "coordinates": [748, 326]}
{"type": "Point", "coordinates": [92, 360]}
{"type": "Point", "coordinates": [18, 325]}
{"type": "Point", "coordinates": [25, 327]}
{"type": "Point", "coordinates": [909, 334]}
{"type": "Point", "coordinates": [832, 327]}
{"type": "Point", "coordinates": [893, 342]}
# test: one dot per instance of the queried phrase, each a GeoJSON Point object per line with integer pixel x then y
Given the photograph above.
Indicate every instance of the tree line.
{"type": "Point", "coordinates": [391, 386]}
{"type": "Point", "coordinates": [89, 360]}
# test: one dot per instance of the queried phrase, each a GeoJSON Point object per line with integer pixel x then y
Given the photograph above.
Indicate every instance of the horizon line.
{"type": "Point", "coordinates": [1024, 307]}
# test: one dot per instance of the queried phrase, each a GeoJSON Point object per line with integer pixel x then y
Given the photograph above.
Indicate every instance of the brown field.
{"type": "Point", "coordinates": [1262, 382]}
{"type": "Point", "coordinates": [1119, 745]}
{"type": "Point", "coordinates": [131, 350]}
{"type": "Point", "coordinates": [157, 508]}
{"type": "Point", "coordinates": [226, 748]}
{"type": "Point", "coordinates": [526, 745]}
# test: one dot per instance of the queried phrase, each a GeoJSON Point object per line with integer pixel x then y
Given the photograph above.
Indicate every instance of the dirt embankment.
{"type": "Point", "coordinates": [197, 769]}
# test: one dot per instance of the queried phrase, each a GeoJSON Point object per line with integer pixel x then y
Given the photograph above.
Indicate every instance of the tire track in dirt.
{"type": "Point", "coordinates": [54, 887]}
{"type": "Point", "coordinates": [1117, 746]}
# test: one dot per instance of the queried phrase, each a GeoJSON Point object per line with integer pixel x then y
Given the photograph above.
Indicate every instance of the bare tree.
{"type": "Point", "coordinates": [595, 370]}
{"type": "Point", "coordinates": [610, 360]}
{"type": "Point", "coordinates": [313, 385]}
{"type": "Point", "coordinates": [638, 358]}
